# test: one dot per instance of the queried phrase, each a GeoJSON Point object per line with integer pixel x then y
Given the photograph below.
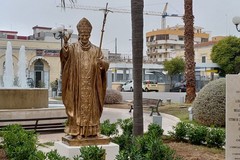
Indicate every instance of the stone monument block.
{"type": "Point", "coordinates": [232, 117]}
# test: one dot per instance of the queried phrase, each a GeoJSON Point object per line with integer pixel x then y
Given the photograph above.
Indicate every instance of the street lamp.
{"type": "Point", "coordinates": [236, 21]}
{"type": "Point", "coordinates": [59, 33]}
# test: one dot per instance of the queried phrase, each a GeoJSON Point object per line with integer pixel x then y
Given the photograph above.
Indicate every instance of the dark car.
{"type": "Point", "coordinates": [179, 87]}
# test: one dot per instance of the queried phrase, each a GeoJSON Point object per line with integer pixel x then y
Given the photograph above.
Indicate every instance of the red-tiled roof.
{"type": "Point", "coordinates": [12, 32]}
{"type": "Point", "coordinates": [204, 44]}
{"type": "Point", "coordinates": [22, 37]}
{"type": "Point", "coordinates": [39, 27]}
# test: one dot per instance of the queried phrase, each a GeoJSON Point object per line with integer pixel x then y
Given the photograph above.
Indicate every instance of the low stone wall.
{"type": "Point", "coordinates": [18, 98]}
{"type": "Point", "coordinates": [117, 85]}
{"type": "Point", "coordinates": [163, 87]}
{"type": "Point", "coordinates": [32, 113]}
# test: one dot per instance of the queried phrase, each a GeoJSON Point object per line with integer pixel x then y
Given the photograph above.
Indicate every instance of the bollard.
{"type": "Point", "coordinates": [190, 113]}
{"type": "Point", "coordinates": [168, 100]}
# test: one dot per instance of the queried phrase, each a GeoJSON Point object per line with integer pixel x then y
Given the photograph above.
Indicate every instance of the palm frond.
{"type": "Point", "coordinates": [63, 3]}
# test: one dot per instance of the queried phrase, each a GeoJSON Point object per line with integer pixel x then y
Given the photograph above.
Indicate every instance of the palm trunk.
{"type": "Point", "coordinates": [137, 49]}
{"type": "Point", "coordinates": [189, 52]}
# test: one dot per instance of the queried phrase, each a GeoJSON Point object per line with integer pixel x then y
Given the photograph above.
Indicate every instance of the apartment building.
{"type": "Point", "coordinates": [162, 43]}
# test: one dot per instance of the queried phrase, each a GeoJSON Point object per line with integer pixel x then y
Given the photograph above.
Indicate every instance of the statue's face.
{"type": "Point", "coordinates": [84, 37]}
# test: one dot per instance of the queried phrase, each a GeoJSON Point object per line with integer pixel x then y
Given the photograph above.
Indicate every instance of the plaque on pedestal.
{"type": "Point", "coordinates": [99, 140]}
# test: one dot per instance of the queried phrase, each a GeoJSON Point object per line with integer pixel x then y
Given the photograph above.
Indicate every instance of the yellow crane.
{"type": "Point", "coordinates": [164, 14]}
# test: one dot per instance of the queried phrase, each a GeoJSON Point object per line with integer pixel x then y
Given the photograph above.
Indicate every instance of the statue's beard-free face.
{"type": "Point", "coordinates": [84, 37]}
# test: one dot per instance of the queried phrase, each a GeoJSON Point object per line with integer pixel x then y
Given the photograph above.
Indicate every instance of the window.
{"type": "Point", "coordinates": [162, 37]}
{"type": "Point", "coordinates": [181, 38]}
{"type": "Point", "coordinates": [203, 59]}
{"type": "Point", "coordinates": [38, 65]}
{"type": "Point", "coordinates": [4, 66]}
{"type": "Point", "coordinates": [204, 39]}
{"type": "Point", "coordinates": [151, 38]}
{"type": "Point", "coordinates": [39, 52]}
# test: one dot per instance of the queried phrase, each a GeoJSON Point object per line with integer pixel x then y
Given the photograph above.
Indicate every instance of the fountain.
{"type": "Point", "coordinates": [22, 78]}
{"type": "Point", "coordinates": [8, 76]}
{"type": "Point", "coordinates": [20, 97]}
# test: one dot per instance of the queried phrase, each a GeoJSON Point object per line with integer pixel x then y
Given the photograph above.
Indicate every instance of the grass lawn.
{"type": "Point", "coordinates": [177, 110]}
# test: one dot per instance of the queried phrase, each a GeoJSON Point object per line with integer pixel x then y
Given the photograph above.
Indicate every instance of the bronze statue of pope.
{"type": "Point", "coordinates": [84, 74]}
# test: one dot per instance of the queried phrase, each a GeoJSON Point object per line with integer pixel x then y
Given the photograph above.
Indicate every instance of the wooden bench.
{"type": "Point", "coordinates": [48, 125]}
{"type": "Point", "coordinates": [153, 104]}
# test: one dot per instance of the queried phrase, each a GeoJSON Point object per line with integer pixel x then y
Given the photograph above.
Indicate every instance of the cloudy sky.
{"type": "Point", "coordinates": [215, 16]}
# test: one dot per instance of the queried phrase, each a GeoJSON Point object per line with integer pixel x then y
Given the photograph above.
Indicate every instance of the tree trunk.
{"type": "Point", "coordinates": [137, 56]}
{"type": "Point", "coordinates": [189, 52]}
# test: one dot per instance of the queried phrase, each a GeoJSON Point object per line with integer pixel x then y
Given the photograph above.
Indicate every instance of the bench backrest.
{"type": "Point", "coordinates": [40, 125]}
{"type": "Point", "coordinates": [159, 103]}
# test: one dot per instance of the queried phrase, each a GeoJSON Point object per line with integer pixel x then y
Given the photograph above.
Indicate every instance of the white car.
{"type": "Point", "coordinates": [127, 86]}
{"type": "Point", "coordinates": [149, 85]}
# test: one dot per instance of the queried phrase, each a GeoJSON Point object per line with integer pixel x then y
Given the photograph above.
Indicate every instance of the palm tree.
{"type": "Point", "coordinates": [137, 56]}
{"type": "Point", "coordinates": [189, 52]}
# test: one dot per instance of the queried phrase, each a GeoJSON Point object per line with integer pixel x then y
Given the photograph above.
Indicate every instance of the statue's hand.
{"type": "Point", "coordinates": [100, 63]}
{"type": "Point", "coordinates": [66, 38]}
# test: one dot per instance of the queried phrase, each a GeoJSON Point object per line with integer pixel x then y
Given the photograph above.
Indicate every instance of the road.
{"type": "Point", "coordinates": [176, 97]}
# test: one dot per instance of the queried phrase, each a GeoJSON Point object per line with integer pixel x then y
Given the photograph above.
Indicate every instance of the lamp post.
{"type": "Point", "coordinates": [59, 33]}
{"type": "Point", "coordinates": [236, 21]}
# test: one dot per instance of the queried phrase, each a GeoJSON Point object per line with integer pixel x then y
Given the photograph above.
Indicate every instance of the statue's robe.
{"type": "Point", "coordinates": [83, 88]}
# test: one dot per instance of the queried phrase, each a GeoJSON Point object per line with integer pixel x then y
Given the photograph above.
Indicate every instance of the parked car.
{"type": "Point", "coordinates": [179, 87]}
{"type": "Point", "coordinates": [149, 85]}
{"type": "Point", "coordinates": [127, 86]}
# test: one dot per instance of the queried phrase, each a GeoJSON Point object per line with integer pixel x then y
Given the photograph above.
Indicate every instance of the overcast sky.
{"type": "Point", "coordinates": [215, 16]}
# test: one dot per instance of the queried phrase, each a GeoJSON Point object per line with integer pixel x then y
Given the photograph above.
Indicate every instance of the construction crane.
{"type": "Point", "coordinates": [164, 14]}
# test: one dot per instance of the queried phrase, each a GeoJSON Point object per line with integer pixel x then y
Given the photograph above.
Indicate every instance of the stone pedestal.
{"type": "Point", "coordinates": [157, 119]}
{"type": "Point", "coordinates": [112, 150]}
{"type": "Point", "coordinates": [100, 140]}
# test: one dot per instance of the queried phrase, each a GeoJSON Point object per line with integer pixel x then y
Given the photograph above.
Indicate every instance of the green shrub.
{"type": "Point", "coordinates": [91, 153]}
{"type": "Point", "coordinates": [53, 155]}
{"type": "Point", "coordinates": [146, 147]}
{"type": "Point", "coordinates": [124, 141]}
{"type": "Point", "coordinates": [38, 155]}
{"type": "Point", "coordinates": [126, 125]}
{"type": "Point", "coordinates": [215, 137]}
{"type": "Point", "coordinates": [212, 137]}
{"type": "Point", "coordinates": [155, 130]}
{"type": "Point", "coordinates": [158, 151]}
{"type": "Point", "coordinates": [132, 154]}
{"type": "Point", "coordinates": [180, 131]}
{"type": "Point", "coordinates": [197, 134]}
{"type": "Point", "coordinates": [142, 141]}
{"type": "Point", "coordinates": [108, 129]}
{"type": "Point", "coordinates": [123, 155]}
{"type": "Point", "coordinates": [54, 85]}
{"type": "Point", "coordinates": [209, 105]}
{"type": "Point", "coordinates": [18, 143]}
{"type": "Point", "coordinates": [113, 96]}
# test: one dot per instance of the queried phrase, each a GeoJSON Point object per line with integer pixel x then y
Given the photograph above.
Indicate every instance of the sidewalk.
{"type": "Point", "coordinates": [168, 121]}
